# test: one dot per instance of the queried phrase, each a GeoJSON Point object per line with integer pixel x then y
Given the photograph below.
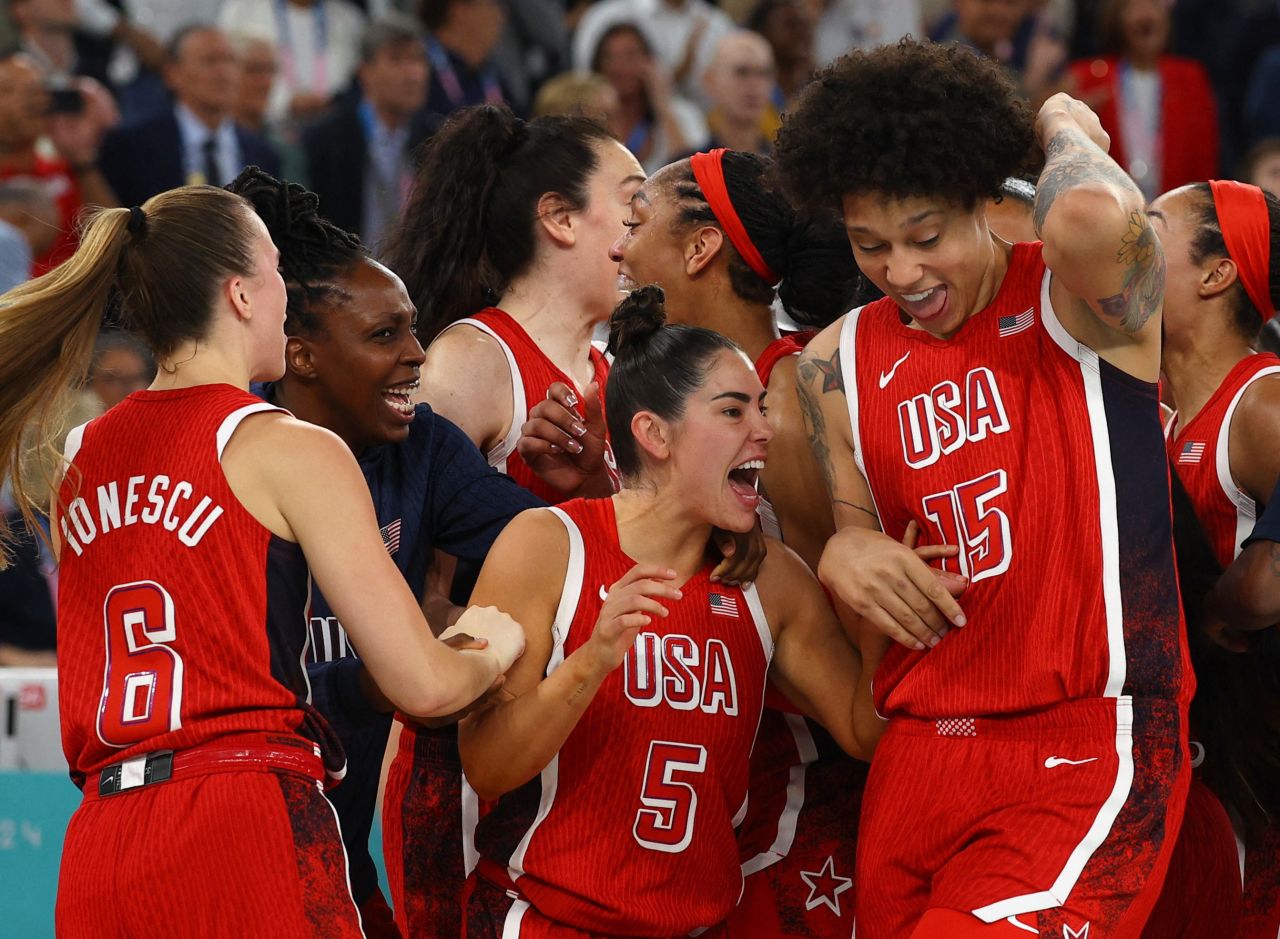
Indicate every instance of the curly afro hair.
{"type": "Point", "coordinates": [908, 120]}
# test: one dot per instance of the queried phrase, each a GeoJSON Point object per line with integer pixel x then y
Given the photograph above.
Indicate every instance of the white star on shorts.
{"type": "Point", "coordinates": [825, 887]}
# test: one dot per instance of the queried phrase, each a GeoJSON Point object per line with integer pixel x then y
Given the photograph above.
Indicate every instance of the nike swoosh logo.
{"type": "Point", "coordinates": [886, 377]}
{"type": "Point", "coordinates": [1053, 761]}
{"type": "Point", "coordinates": [604, 594]}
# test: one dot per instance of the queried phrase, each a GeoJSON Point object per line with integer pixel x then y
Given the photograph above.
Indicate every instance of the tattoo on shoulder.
{"type": "Point", "coordinates": [1143, 286]}
{"type": "Point", "coordinates": [828, 369]}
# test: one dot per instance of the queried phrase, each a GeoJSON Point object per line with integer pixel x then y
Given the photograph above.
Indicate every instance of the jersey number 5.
{"type": "Point", "coordinates": [142, 685]}
{"type": "Point", "coordinates": [665, 820]}
{"type": "Point", "coordinates": [966, 516]}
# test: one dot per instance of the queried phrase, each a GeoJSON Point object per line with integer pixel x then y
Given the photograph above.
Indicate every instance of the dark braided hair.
{"type": "Point", "coordinates": [820, 280]}
{"type": "Point", "coordinates": [313, 251]}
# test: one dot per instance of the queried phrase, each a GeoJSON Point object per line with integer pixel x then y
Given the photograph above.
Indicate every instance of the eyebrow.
{"type": "Point", "coordinates": [640, 194]}
{"type": "Point", "coordinates": [634, 177]}
{"type": "Point", "coordinates": [914, 220]}
{"type": "Point", "coordinates": [1156, 213]}
{"type": "Point", "coordinates": [735, 395]}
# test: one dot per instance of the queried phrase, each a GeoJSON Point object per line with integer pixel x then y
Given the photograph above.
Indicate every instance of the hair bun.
{"type": "Point", "coordinates": [640, 314]}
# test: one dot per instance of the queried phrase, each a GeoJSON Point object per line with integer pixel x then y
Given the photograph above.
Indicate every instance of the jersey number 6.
{"type": "Point", "coordinates": [142, 684]}
{"type": "Point", "coordinates": [665, 822]}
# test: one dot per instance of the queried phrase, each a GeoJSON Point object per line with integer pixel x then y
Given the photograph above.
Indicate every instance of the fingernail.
{"type": "Point", "coordinates": [572, 399]}
{"type": "Point", "coordinates": [715, 578]}
{"type": "Point", "coordinates": [679, 594]}
{"type": "Point", "coordinates": [574, 446]}
{"type": "Point", "coordinates": [579, 429]}
{"type": "Point", "coordinates": [918, 645]}
{"type": "Point", "coordinates": [933, 641]}
{"type": "Point", "coordinates": [960, 620]}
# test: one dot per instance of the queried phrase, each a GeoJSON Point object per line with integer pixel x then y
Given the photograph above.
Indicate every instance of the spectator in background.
{"type": "Point", "coordinates": [1261, 165]}
{"type": "Point", "coordinates": [657, 124]}
{"type": "Point", "coordinates": [739, 86]}
{"type": "Point", "coordinates": [533, 48]}
{"type": "Point", "coordinates": [581, 93]}
{"type": "Point", "coordinates": [788, 26]}
{"type": "Point", "coordinates": [684, 35]}
{"type": "Point", "coordinates": [28, 226]}
{"type": "Point", "coordinates": [1022, 39]}
{"type": "Point", "coordinates": [462, 37]}
{"type": "Point", "coordinates": [1261, 105]}
{"type": "Point", "coordinates": [318, 42]}
{"type": "Point", "coordinates": [1158, 108]}
{"type": "Point", "coordinates": [359, 156]}
{"type": "Point", "coordinates": [45, 32]}
{"type": "Point", "coordinates": [259, 65]}
{"type": "Point", "coordinates": [57, 150]}
{"type": "Point", "coordinates": [196, 140]}
{"type": "Point", "coordinates": [844, 25]}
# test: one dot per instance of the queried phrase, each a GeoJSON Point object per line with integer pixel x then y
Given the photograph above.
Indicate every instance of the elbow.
{"type": "Point", "coordinates": [1086, 211]}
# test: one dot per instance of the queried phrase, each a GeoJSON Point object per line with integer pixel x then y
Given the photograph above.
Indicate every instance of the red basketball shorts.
{"type": "Point", "coordinates": [211, 855]}
{"type": "Point", "coordinates": [424, 830]}
{"type": "Point", "coordinates": [1200, 898]}
{"type": "Point", "coordinates": [800, 836]}
{"type": "Point", "coordinates": [1061, 822]}
{"type": "Point", "coordinates": [497, 913]}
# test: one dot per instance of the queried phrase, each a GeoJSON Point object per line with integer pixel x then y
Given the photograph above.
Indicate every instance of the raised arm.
{"type": "Point", "coordinates": [1108, 265]}
{"type": "Point", "coordinates": [881, 580]}
{"type": "Point", "coordinates": [505, 746]}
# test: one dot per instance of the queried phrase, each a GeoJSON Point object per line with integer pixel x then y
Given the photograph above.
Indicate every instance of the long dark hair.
{"type": "Point", "coordinates": [656, 367]}
{"type": "Point", "coordinates": [1208, 242]}
{"type": "Point", "coordinates": [468, 229]}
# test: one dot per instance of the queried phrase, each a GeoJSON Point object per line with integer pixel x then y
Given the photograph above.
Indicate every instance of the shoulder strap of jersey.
{"type": "Point", "coordinates": [570, 593]}
{"type": "Point", "coordinates": [849, 369]}
{"type": "Point", "coordinates": [752, 596]}
{"type": "Point", "coordinates": [778, 350]}
{"type": "Point", "coordinates": [497, 457]}
{"type": "Point", "coordinates": [1246, 508]}
{"type": "Point", "coordinates": [233, 420]}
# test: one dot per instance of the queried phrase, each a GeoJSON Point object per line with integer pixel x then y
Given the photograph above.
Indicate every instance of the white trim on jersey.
{"type": "Point", "coordinates": [848, 368]}
{"type": "Point", "coordinates": [752, 597]}
{"type": "Point", "coordinates": [470, 819]}
{"type": "Point", "coordinates": [570, 595]}
{"type": "Point", "coordinates": [515, 916]}
{"type": "Point", "coordinates": [497, 457]}
{"type": "Point", "coordinates": [1246, 508]}
{"type": "Point", "coordinates": [72, 446]}
{"type": "Point", "coordinates": [1091, 374]}
{"type": "Point", "coordinates": [790, 816]}
{"type": "Point", "coordinates": [232, 421]}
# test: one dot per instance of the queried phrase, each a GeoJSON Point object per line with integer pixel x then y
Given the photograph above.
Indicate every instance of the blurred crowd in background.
{"type": "Point", "coordinates": [107, 102]}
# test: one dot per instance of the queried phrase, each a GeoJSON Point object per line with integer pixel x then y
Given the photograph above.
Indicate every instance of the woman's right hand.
{"type": "Point", "coordinates": [567, 449]}
{"type": "Point", "coordinates": [890, 585]}
{"type": "Point", "coordinates": [505, 637]}
{"type": "Point", "coordinates": [629, 606]}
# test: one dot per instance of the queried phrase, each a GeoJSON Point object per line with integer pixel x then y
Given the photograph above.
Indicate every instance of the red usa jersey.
{"type": "Point", "coordinates": [630, 828]}
{"type": "Point", "coordinates": [1045, 465]}
{"type": "Point", "coordinates": [1200, 453]}
{"type": "Point", "coordinates": [180, 617]}
{"type": "Point", "coordinates": [532, 373]}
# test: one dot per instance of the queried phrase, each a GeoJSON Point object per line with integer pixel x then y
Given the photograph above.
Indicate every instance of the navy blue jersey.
{"type": "Point", "coordinates": [433, 490]}
{"type": "Point", "coordinates": [1267, 527]}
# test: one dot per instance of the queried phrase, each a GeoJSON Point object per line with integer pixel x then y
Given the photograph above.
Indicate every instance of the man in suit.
{"type": "Point", "coordinates": [359, 157]}
{"type": "Point", "coordinates": [196, 141]}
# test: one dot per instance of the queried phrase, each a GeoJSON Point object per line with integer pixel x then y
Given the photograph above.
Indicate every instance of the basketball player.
{"type": "Point", "coordinates": [1224, 444]}
{"type": "Point", "coordinates": [1004, 398]}
{"type": "Point", "coordinates": [181, 525]}
{"type": "Point", "coordinates": [620, 762]}
{"type": "Point", "coordinates": [351, 364]}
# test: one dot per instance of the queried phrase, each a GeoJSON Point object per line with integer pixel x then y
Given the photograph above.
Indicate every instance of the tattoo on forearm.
{"type": "Point", "coordinates": [815, 423]}
{"type": "Point", "coordinates": [860, 508]}
{"type": "Point", "coordinates": [1143, 290]}
{"type": "Point", "coordinates": [1071, 158]}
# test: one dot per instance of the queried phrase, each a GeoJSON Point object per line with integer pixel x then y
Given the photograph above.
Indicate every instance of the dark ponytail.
{"type": "Point", "coordinates": [1208, 242]}
{"type": "Point", "coordinates": [655, 368]}
{"type": "Point", "coordinates": [313, 251]}
{"type": "Point", "coordinates": [469, 227]}
{"type": "Point", "coordinates": [820, 280]}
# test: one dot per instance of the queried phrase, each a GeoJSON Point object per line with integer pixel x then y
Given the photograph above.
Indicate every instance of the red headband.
{"type": "Point", "coordinates": [708, 170]}
{"type": "Point", "coordinates": [1246, 230]}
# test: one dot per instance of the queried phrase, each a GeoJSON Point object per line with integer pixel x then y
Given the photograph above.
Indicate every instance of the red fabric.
{"type": "Point", "coordinates": [228, 854]}
{"type": "Point", "coordinates": [778, 350]}
{"type": "Point", "coordinates": [1227, 517]}
{"type": "Point", "coordinates": [1261, 916]}
{"type": "Point", "coordinates": [1188, 115]}
{"type": "Point", "coordinates": [1246, 229]}
{"type": "Point", "coordinates": [637, 838]}
{"type": "Point", "coordinates": [708, 170]}
{"type": "Point", "coordinates": [66, 193]}
{"type": "Point", "coordinates": [153, 526]}
{"type": "Point", "coordinates": [537, 374]}
{"type": "Point", "coordinates": [1003, 819]}
{"type": "Point", "coordinates": [999, 440]}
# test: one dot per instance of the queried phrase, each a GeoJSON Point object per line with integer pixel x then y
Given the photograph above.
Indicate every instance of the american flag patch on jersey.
{"type": "Point", "coordinates": [1016, 324]}
{"type": "Point", "coordinates": [1192, 451]}
{"type": "Point", "coordinates": [391, 537]}
{"type": "Point", "coordinates": [723, 605]}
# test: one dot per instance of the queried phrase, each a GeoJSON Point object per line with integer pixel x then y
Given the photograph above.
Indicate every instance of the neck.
{"type": "Point", "coordinates": [1144, 61]}
{"type": "Point", "coordinates": [560, 325]}
{"type": "Point", "coordinates": [211, 118]}
{"type": "Point", "coordinates": [463, 45]}
{"type": "Point", "coordinates": [654, 529]}
{"type": "Point", "coordinates": [737, 135]}
{"type": "Point", "coordinates": [1196, 363]}
{"type": "Point", "coordinates": [389, 118]}
{"type": "Point", "coordinates": [206, 362]}
{"type": "Point", "coordinates": [750, 325]}
{"type": "Point", "coordinates": [989, 286]}
{"type": "Point", "coordinates": [301, 401]}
